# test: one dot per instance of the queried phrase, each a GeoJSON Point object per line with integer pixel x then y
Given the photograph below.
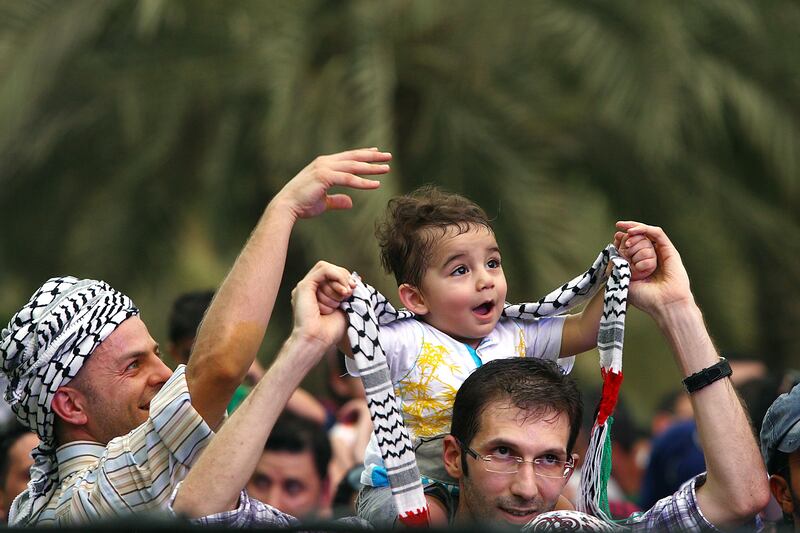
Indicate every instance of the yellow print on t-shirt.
{"type": "Point", "coordinates": [521, 344]}
{"type": "Point", "coordinates": [427, 394]}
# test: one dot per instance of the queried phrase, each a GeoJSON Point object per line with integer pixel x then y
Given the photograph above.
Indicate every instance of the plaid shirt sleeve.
{"type": "Point", "coordinates": [252, 513]}
{"type": "Point", "coordinates": [248, 513]}
{"type": "Point", "coordinates": [678, 512]}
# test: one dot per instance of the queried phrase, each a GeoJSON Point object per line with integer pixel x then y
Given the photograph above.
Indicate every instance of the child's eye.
{"type": "Point", "coordinates": [460, 271]}
{"type": "Point", "coordinates": [493, 263]}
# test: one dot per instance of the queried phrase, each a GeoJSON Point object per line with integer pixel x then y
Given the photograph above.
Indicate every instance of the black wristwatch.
{"type": "Point", "coordinates": [707, 376]}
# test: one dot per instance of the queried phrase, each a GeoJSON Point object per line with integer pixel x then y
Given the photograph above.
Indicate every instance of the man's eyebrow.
{"type": "Point", "coordinates": [142, 353]}
{"type": "Point", "coordinates": [500, 441]}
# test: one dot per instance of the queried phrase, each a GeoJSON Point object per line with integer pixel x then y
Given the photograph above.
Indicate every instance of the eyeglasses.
{"type": "Point", "coordinates": [547, 466]}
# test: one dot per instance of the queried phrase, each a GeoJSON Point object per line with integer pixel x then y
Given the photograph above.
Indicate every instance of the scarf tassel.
{"type": "Point", "coordinates": [415, 518]}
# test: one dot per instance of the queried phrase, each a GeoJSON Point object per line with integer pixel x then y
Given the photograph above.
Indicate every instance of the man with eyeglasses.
{"type": "Point", "coordinates": [514, 425]}
{"type": "Point", "coordinates": [515, 422]}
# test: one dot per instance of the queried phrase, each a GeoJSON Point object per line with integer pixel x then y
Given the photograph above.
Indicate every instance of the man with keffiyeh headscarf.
{"type": "Point", "coordinates": [118, 430]}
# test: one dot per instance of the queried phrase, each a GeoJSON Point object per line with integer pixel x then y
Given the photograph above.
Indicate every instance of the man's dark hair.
{"type": "Point", "coordinates": [780, 465]}
{"type": "Point", "coordinates": [296, 434]}
{"type": "Point", "coordinates": [187, 313]}
{"type": "Point", "coordinates": [536, 386]}
{"type": "Point", "coordinates": [9, 435]}
{"type": "Point", "coordinates": [415, 221]}
{"type": "Point", "coordinates": [757, 395]}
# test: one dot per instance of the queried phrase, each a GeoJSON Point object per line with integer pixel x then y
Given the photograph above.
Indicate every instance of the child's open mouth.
{"type": "Point", "coordinates": [483, 310]}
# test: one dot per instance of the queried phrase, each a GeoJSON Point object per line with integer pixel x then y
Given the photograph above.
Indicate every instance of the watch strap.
{"type": "Point", "coordinates": [707, 376]}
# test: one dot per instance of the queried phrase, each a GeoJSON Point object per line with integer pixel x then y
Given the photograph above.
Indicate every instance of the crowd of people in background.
{"type": "Point", "coordinates": [71, 452]}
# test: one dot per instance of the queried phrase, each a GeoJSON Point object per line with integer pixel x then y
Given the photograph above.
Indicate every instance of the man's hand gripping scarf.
{"type": "Point", "coordinates": [368, 309]}
{"type": "Point", "coordinates": [43, 347]}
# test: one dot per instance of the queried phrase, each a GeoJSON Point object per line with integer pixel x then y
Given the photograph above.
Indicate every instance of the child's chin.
{"type": "Point", "coordinates": [483, 330]}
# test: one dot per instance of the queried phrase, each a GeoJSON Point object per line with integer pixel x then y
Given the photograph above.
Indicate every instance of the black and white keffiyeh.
{"type": "Point", "coordinates": [43, 347]}
{"type": "Point", "coordinates": [368, 309]}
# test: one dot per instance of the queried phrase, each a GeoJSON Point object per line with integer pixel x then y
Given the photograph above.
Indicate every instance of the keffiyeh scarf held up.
{"type": "Point", "coordinates": [43, 347]}
{"type": "Point", "coordinates": [368, 309]}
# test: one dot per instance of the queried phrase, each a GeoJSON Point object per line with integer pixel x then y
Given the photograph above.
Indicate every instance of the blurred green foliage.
{"type": "Point", "coordinates": [140, 141]}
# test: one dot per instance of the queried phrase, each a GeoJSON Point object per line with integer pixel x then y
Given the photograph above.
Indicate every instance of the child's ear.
{"type": "Point", "coordinates": [412, 299]}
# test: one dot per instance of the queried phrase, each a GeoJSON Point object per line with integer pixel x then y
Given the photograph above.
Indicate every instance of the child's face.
{"type": "Point", "coordinates": [464, 287]}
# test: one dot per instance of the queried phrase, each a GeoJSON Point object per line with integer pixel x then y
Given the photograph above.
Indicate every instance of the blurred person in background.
{"type": "Point", "coordinates": [292, 473]}
{"type": "Point", "coordinates": [746, 367]}
{"type": "Point", "coordinates": [674, 406]}
{"type": "Point", "coordinates": [780, 448]}
{"type": "Point", "coordinates": [16, 444]}
{"type": "Point", "coordinates": [187, 312]}
{"type": "Point", "coordinates": [676, 456]}
{"type": "Point", "coordinates": [344, 499]}
{"type": "Point", "coordinates": [351, 423]}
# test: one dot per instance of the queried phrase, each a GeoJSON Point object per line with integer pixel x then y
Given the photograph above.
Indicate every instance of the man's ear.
{"type": "Point", "coordinates": [69, 404]}
{"type": "Point", "coordinates": [452, 457]}
{"type": "Point", "coordinates": [575, 458]}
{"type": "Point", "coordinates": [780, 490]}
{"type": "Point", "coordinates": [412, 299]}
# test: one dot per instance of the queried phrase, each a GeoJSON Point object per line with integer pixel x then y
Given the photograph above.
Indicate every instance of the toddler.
{"type": "Point", "coordinates": [445, 258]}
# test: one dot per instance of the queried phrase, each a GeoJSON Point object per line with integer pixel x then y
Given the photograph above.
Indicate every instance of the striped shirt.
{"type": "Point", "coordinates": [132, 474]}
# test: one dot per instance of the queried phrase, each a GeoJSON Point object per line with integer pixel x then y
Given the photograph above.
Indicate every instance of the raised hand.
{"type": "Point", "coordinates": [669, 283]}
{"type": "Point", "coordinates": [306, 194]}
{"type": "Point", "coordinates": [309, 322]}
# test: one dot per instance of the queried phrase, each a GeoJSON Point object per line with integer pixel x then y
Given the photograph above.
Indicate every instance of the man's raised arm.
{"type": "Point", "coordinates": [234, 326]}
{"type": "Point", "coordinates": [215, 482]}
{"type": "Point", "coordinates": [736, 487]}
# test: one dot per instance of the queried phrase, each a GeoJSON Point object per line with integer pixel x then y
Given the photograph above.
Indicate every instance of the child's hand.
{"type": "Point", "coordinates": [639, 252]}
{"type": "Point", "coordinates": [331, 292]}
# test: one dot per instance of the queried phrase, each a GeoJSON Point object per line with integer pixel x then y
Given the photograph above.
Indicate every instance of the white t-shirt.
{"type": "Point", "coordinates": [427, 367]}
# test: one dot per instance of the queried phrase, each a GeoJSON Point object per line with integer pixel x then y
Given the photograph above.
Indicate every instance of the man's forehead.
{"type": "Point", "coordinates": [129, 337]}
{"type": "Point", "coordinates": [502, 419]}
{"type": "Point", "coordinates": [286, 463]}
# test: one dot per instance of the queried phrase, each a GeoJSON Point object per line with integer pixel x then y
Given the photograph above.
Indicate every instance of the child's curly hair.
{"type": "Point", "coordinates": [413, 223]}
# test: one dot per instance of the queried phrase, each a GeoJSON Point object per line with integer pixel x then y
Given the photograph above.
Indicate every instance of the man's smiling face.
{"type": "Point", "coordinates": [119, 379]}
{"type": "Point", "coordinates": [511, 498]}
